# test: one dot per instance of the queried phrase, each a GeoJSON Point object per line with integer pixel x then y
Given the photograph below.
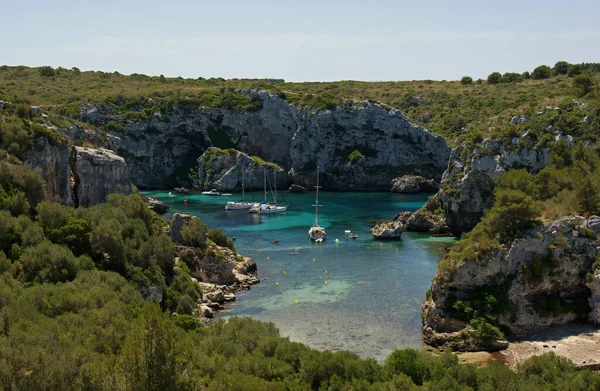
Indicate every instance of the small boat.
{"type": "Point", "coordinates": [353, 236]}
{"type": "Point", "coordinates": [320, 240]}
{"type": "Point", "coordinates": [211, 192]}
{"type": "Point", "coordinates": [316, 232]}
{"type": "Point", "coordinates": [171, 195]}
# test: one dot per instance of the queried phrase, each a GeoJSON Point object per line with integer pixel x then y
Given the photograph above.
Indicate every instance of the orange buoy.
{"type": "Point", "coordinates": [276, 241]}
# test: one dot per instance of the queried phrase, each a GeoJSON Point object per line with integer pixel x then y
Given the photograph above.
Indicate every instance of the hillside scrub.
{"type": "Point", "coordinates": [453, 109]}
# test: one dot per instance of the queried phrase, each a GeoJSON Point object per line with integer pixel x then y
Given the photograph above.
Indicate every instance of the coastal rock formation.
{"type": "Point", "coordinates": [546, 277]}
{"type": "Point", "coordinates": [96, 174]}
{"type": "Point", "coordinates": [471, 177]}
{"type": "Point", "coordinates": [467, 189]}
{"type": "Point", "coordinates": [222, 170]}
{"type": "Point", "coordinates": [413, 184]}
{"type": "Point", "coordinates": [388, 230]}
{"type": "Point", "coordinates": [158, 206]}
{"type": "Point", "coordinates": [160, 150]}
{"type": "Point", "coordinates": [363, 147]}
{"type": "Point", "coordinates": [178, 221]}
{"type": "Point", "coordinates": [429, 219]}
{"type": "Point", "coordinates": [220, 273]}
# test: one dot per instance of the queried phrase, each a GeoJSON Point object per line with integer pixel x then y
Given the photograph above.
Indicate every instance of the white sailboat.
{"type": "Point", "coordinates": [273, 207]}
{"type": "Point", "coordinates": [241, 204]}
{"type": "Point", "coordinates": [316, 232]}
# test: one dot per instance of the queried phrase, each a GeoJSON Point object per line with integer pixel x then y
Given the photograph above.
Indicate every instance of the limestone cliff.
{"type": "Point", "coordinates": [546, 277]}
{"type": "Point", "coordinates": [222, 170]}
{"type": "Point", "coordinates": [160, 151]}
{"type": "Point", "coordinates": [97, 173]}
{"type": "Point", "coordinates": [53, 162]}
{"type": "Point", "coordinates": [471, 176]}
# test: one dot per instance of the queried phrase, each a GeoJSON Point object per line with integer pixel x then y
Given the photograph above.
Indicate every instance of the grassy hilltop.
{"type": "Point", "coordinates": [456, 110]}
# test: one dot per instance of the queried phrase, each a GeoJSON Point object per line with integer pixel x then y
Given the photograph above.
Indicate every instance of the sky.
{"type": "Point", "coordinates": [305, 40]}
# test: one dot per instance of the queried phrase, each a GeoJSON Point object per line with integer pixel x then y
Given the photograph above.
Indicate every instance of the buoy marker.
{"type": "Point", "coordinates": [284, 273]}
{"type": "Point", "coordinates": [326, 272]}
{"type": "Point", "coordinates": [296, 302]}
{"type": "Point", "coordinates": [276, 284]}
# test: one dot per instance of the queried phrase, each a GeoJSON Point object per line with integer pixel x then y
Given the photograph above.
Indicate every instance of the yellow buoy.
{"type": "Point", "coordinates": [296, 249]}
{"type": "Point", "coordinates": [276, 284]}
{"type": "Point", "coordinates": [259, 251]}
{"type": "Point", "coordinates": [326, 272]}
{"type": "Point", "coordinates": [296, 302]}
{"type": "Point", "coordinates": [284, 273]}
{"type": "Point", "coordinates": [337, 240]}
{"type": "Point", "coordinates": [325, 283]}
{"type": "Point", "coordinates": [314, 259]}
{"type": "Point", "coordinates": [268, 258]}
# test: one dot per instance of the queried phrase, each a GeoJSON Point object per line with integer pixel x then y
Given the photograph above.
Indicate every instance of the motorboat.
{"type": "Point", "coordinates": [211, 192]}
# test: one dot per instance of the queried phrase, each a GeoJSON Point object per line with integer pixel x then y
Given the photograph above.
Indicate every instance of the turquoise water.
{"type": "Point", "coordinates": [371, 303]}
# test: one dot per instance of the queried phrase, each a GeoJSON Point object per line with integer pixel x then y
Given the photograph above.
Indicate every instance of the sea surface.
{"type": "Point", "coordinates": [347, 294]}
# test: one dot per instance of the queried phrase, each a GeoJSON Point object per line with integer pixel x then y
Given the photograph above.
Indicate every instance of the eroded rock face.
{"type": "Point", "coordinates": [413, 184]}
{"type": "Point", "coordinates": [53, 162]}
{"type": "Point", "coordinates": [538, 280]}
{"type": "Point", "coordinates": [97, 173]}
{"type": "Point", "coordinates": [178, 221]}
{"type": "Point", "coordinates": [222, 170]}
{"type": "Point", "coordinates": [160, 151]}
{"type": "Point", "coordinates": [391, 146]}
{"type": "Point", "coordinates": [388, 230]}
{"type": "Point", "coordinates": [470, 178]}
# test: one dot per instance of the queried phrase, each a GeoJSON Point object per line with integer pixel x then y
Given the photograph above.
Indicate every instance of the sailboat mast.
{"type": "Point", "coordinates": [275, 186]}
{"type": "Point", "coordinates": [317, 201]}
{"type": "Point", "coordinates": [243, 182]}
{"type": "Point", "coordinates": [265, 182]}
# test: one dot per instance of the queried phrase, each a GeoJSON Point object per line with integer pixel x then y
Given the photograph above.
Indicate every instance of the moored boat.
{"type": "Point", "coordinates": [316, 232]}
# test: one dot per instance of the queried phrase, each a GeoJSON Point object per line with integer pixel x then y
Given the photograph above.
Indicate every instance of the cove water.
{"type": "Point", "coordinates": [371, 303]}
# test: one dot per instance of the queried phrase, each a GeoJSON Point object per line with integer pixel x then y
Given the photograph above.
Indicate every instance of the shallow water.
{"type": "Point", "coordinates": [371, 302]}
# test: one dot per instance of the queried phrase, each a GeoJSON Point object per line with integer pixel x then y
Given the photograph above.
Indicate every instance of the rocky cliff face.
{"type": "Point", "coordinates": [222, 170]}
{"type": "Point", "coordinates": [77, 175]}
{"type": "Point", "coordinates": [468, 182]}
{"type": "Point", "coordinates": [97, 173]}
{"type": "Point", "coordinates": [547, 277]}
{"type": "Point", "coordinates": [53, 162]}
{"type": "Point", "coordinates": [160, 151]}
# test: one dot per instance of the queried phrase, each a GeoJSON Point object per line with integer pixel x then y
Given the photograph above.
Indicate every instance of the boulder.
{"type": "Point", "coordinates": [158, 206]}
{"type": "Point", "coordinates": [216, 296]}
{"type": "Point", "coordinates": [388, 230]}
{"type": "Point", "coordinates": [594, 223]}
{"type": "Point", "coordinates": [205, 311]}
{"type": "Point", "coordinates": [413, 184]}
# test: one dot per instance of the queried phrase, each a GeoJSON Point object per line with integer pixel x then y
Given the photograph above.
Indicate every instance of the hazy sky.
{"type": "Point", "coordinates": [300, 40]}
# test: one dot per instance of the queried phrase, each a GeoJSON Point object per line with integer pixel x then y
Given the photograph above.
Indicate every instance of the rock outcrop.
{"type": "Point", "coordinates": [471, 177]}
{"type": "Point", "coordinates": [97, 173]}
{"type": "Point", "coordinates": [429, 219]}
{"type": "Point", "coordinates": [222, 170]}
{"type": "Point", "coordinates": [413, 184]}
{"type": "Point", "coordinates": [546, 277]}
{"type": "Point", "coordinates": [160, 151]}
{"type": "Point", "coordinates": [388, 230]}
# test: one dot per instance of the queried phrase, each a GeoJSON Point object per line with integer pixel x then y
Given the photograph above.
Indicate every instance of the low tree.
{"type": "Point", "coordinates": [588, 197]}
{"type": "Point", "coordinates": [541, 72]}
{"type": "Point", "coordinates": [466, 80]}
{"type": "Point", "coordinates": [513, 212]}
{"type": "Point", "coordinates": [494, 78]}
{"type": "Point", "coordinates": [561, 68]}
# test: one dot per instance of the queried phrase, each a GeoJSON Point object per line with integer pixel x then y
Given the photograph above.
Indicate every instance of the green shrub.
{"type": "Point", "coordinates": [466, 80]}
{"type": "Point", "coordinates": [218, 236]}
{"type": "Point", "coordinates": [354, 157]}
{"type": "Point", "coordinates": [194, 233]}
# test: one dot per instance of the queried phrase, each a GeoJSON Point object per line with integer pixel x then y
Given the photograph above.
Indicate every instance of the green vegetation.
{"type": "Point", "coordinates": [354, 157]}
{"type": "Point", "coordinates": [459, 111]}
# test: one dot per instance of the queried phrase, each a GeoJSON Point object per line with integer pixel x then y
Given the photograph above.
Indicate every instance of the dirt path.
{"type": "Point", "coordinates": [578, 343]}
